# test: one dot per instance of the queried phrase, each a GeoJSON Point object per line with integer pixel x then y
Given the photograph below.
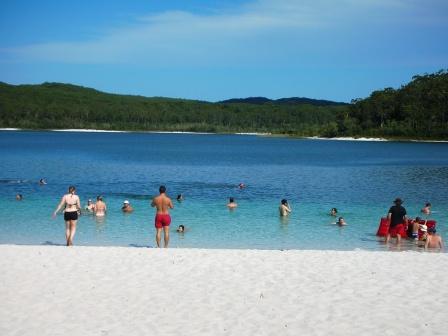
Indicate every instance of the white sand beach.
{"type": "Point", "coordinates": [51, 290]}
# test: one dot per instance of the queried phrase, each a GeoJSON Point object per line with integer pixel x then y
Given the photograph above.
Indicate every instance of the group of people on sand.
{"type": "Point", "coordinates": [399, 223]}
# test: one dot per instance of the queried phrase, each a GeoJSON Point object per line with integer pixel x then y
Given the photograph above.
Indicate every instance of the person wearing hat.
{"type": "Point", "coordinates": [397, 218]}
{"type": "Point", "coordinates": [126, 207]}
{"type": "Point", "coordinates": [433, 240]}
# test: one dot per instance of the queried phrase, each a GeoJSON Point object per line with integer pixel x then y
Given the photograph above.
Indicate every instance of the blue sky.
{"type": "Point", "coordinates": [214, 50]}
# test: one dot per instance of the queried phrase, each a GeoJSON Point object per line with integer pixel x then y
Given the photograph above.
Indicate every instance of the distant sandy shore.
{"type": "Point", "coordinates": [240, 133]}
{"type": "Point", "coordinates": [51, 290]}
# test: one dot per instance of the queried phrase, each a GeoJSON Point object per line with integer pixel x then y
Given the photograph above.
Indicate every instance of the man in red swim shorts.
{"type": "Point", "coordinates": [397, 218]}
{"type": "Point", "coordinates": [162, 221]}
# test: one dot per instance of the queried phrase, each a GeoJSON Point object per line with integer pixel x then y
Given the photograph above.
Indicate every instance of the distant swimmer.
{"type": "Point", "coordinates": [72, 206]}
{"type": "Point", "coordinates": [19, 197]}
{"type": "Point", "coordinates": [333, 212]}
{"type": "Point", "coordinates": [241, 186]}
{"type": "Point", "coordinates": [341, 221]}
{"type": "Point", "coordinates": [180, 198]}
{"type": "Point", "coordinates": [181, 229]}
{"type": "Point", "coordinates": [426, 209]}
{"type": "Point", "coordinates": [42, 181]}
{"type": "Point", "coordinates": [284, 208]}
{"type": "Point", "coordinates": [162, 203]}
{"type": "Point", "coordinates": [433, 240]}
{"type": "Point", "coordinates": [232, 204]}
{"type": "Point", "coordinates": [100, 207]}
{"type": "Point", "coordinates": [126, 207]}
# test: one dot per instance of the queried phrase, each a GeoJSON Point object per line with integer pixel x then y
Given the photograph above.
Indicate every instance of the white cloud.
{"type": "Point", "coordinates": [254, 31]}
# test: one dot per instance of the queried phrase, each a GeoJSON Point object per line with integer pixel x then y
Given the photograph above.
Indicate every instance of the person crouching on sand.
{"type": "Point", "coordinates": [162, 203]}
{"type": "Point", "coordinates": [284, 208]}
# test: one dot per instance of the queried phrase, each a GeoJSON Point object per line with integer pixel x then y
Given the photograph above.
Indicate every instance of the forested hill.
{"type": "Point", "coordinates": [55, 106]}
{"type": "Point", "coordinates": [417, 110]}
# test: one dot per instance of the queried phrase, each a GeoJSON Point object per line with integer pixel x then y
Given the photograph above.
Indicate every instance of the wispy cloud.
{"type": "Point", "coordinates": [256, 31]}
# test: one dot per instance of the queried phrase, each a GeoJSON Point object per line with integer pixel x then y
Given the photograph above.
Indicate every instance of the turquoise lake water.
{"type": "Point", "coordinates": [360, 179]}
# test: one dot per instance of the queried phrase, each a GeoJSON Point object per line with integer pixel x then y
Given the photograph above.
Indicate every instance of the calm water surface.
{"type": "Point", "coordinates": [359, 178]}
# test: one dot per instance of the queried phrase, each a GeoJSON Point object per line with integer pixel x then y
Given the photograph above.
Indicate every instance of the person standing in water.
{"type": "Point", "coordinates": [397, 218]}
{"type": "Point", "coordinates": [284, 208]}
{"type": "Point", "coordinates": [162, 203]}
{"type": "Point", "coordinates": [72, 206]}
{"type": "Point", "coordinates": [100, 207]}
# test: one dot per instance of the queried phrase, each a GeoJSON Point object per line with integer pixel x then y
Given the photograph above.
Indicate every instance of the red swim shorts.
{"type": "Point", "coordinates": [397, 229]}
{"type": "Point", "coordinates": [162, 220]}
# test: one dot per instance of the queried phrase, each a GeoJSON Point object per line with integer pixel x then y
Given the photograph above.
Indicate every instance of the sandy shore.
{"type": "Point", "coordinates": [50, 290]}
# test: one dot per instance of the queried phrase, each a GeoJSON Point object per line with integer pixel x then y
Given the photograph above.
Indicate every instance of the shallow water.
{"type": "Point", "coordinates": [359, 178]}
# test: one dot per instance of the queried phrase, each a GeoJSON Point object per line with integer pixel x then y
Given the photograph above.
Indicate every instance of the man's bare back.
{"type": "Point", "coordinates": [434, 241]}
{"type": "Point", "coordinates": [162, 203]}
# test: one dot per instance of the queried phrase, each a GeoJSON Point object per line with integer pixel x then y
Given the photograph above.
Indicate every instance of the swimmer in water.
{"type": "Point", "coordinates": [341, 221]}
{"type": "Point", "coordinates": [100, 207]}
{"type": "Point", "coordinates": [232, 204]}
{"type": "Point", "coordinates": [72, 206]}
{"type": "Point", "coordinates": [180, 198]}
{"type": "Point", "coordinates": [126, 207]}
{"type": "Point", "coordinates": [433, 240]}
{"type": "Point", "coordinates": [241, 186]}
{"type": "Point", "coordinates": [19, 197]}
{"type": "Point", "coordinates": [181, 229]}
{"type": "Point", "coordinates": [42, 181]}
{"type": "Point", "coordinates": [284, 208]}
{"type": "Point", "coordinates": [333, 212]}
{"type": "Point", "coordinates": [426, 209]}
{"type": "Point", "coordinates": [90, 207]}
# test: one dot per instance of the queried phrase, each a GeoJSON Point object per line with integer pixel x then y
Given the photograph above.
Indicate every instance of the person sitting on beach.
{"type": "Point", "coordinates": [181, 229]}
{"type": "Point", "coordinates": [42, 181]}
{"type": "Point", "coordinates": [126, 207]}
{"type": "Point", "coordinates": [100, 207]}
{"type": "Point", "coordinates": [284, 208]}
{"type": "Point", "coordinates": [19, 197]}
{"type": "Point", "coordinates": [333, 212]}
{"type": "Point", "coordinates": [426, 209]}
{"type": "Point", "coordinates": [232, 204]}
{"type": "Point", "coordinates": [396, 217]}
{"type": "Point", "coordinates": [179, 198]}
{"type": "Point", "coordinates": [433, 240]}
{"type": "Point", "coordinates": [90, 207]}
{"type": "Point", "coordinates": [341, 221]}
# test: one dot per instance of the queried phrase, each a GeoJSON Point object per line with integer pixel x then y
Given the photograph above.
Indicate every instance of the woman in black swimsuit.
{"type": "Point", "coordinates": [72, 206]}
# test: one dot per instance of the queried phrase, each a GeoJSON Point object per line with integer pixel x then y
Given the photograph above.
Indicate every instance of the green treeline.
{"type": "Point", "coordinates": [417, 110]}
